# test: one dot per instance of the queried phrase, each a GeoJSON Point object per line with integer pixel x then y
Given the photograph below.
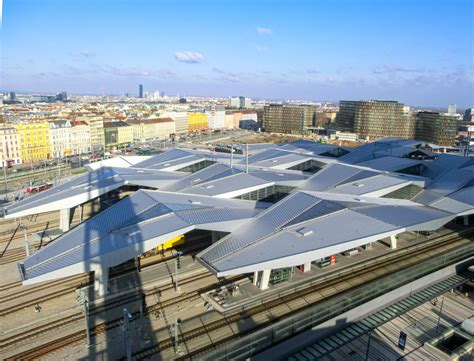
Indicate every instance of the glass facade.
{"type": "Point", "coordinates": [375, 119]}
{"type": "Point", "coordinates": [437, 128]}
{"type": "Point", "coordinates": [288, 119]}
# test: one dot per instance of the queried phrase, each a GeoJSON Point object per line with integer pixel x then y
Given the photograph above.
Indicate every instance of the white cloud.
{"type": "Point", "coordinates": [87, 53]}
{"type": "Point", "coordinates": [191, 57]}
{"type": "Point", "coordinates": [389, 68]}
{"type": "Point", "coordinates": [262, 30]}
{"type": "Point", "coordinates": [313, 71]}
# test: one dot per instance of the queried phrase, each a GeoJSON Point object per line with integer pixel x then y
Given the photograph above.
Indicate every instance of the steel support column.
{"type": "Point", "coordinates": [264, 279]}
{"type": "Point", "coordinates": [101, 281]}
{"type": "Point", "coordinates": [65, 219]}
{"type": "Point", "coordinates": [307, 267]}
{"type": "Point", "coordinates": [393, 242]}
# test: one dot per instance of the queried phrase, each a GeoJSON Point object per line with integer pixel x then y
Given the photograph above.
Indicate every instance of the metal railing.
{"type": "Point", "coordinates": [327, 309]}
{"type": "Point", "coordinates": [334, 275]}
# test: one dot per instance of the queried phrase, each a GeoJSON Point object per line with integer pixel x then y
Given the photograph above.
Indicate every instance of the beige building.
{"type": "Point", "coordinates": [229, 120]}
{"type": "Point", "coordinates": [80, 138]}
{"type": "Point", "coordinates": [181, 121]}
{"type": "Point", "coordinates": [60, 137]}
{"type": "Point", "coordinates": [164, 127]}
{"type": "Point", "coordinates": [9, 145]}
{"type": "Point", "coordinates": [96, 127]}
{"type": "Point", "coordinates": [216, 117]}
{"type": "Point", "coordinates": [234, 118]}
{"type": "Point", "coordinates": [143, 130]}
{"type": "Point", "coordinates": [137, 126]}
{"type": "Point", "coordinates": [118, 134]}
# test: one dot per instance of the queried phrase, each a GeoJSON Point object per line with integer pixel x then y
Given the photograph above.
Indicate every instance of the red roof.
{"type": "Point", "coordinates": [78, 122]}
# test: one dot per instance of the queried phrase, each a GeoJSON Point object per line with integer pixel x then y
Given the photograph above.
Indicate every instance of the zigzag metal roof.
{"type": "Point", "coordinates": [120, 232]}
{"type": "Point", "coordinates": [337, 208]}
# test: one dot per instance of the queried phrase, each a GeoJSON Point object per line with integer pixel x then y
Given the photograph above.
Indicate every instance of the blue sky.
{"type": "Point", "coordinates": [416, 51]}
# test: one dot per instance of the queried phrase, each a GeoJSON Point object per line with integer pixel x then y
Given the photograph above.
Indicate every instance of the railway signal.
{"type": "Point", "coordinates": [177, 322]}
{"type": "Point", "coordinates": [176, 284]}
{"type": "Point", "coordinates": [177, 263]}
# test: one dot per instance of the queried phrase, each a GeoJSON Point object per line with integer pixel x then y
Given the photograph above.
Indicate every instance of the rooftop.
{"type": "Point", "coordinates": [354, 199]}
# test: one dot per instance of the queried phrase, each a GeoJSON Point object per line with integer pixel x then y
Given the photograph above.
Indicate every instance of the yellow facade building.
{"type": "Point", "coordinates": [197, 121]}
{"type": "Point", "coordinates": [34, 141]}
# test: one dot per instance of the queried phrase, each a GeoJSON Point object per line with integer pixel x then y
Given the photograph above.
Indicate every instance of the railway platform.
{"type": "Point", "coordinates": [229, 300]}
{"type": "Point", "coordinates": [420, 317]}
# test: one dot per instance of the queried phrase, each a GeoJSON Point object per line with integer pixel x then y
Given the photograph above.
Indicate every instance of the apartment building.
{"type": "Point", "coordinates": [164, 127]}
{"type": "Point", "coordinates": [216, 117]}
{"type": "Point", "coordinates": [80, 138]}
{"type": "Point", "coordinates": [96, 128]}
{"type": "Point", "coordinates": [9, 145]}
{"type": "Point", "coordinates": [117, 134]}
{"type": "Point", "coordinates": [180, 119]}
{"type": "Point", "coordinates": [197, 121]}
{"type": "Point", "coordinates": [34, 140]}
{"type": "Point", "coordinates": [60, 138]}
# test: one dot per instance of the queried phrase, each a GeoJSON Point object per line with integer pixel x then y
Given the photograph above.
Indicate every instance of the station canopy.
{"type": "Point", "coordinates": [283, 205]}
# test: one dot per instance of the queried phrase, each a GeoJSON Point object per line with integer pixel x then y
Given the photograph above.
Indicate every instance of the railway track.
{"type": "Point", "coordinates": [18, 253]}
{"type": "Point", "coordinates": [10, 285]}
{"type": "Point", "coordinates": [221, 325]}
{"type": "Point", "coordinates": [101, 327]}
{"type": "Point", "coordinates": [197, 244]}
{"type": "Point", "coordinates": [39, 221]}
{"type": "Point", "coordinates": [70, 284]}
{"type": "Point", "coordinates": [73, 282]}
{"type": "Point", "coordinates": [353, 278]}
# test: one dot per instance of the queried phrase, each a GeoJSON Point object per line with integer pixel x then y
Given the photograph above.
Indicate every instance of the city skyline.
{"type": "Point", "coordinates": [418, 53]}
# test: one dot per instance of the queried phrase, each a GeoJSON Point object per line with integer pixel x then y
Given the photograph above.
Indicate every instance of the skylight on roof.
{"type": "Point", "coordinates": [304, 231]}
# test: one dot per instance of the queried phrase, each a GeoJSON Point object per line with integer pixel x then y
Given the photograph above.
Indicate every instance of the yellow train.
{"type": "Point", "coordinates": [173, 242]}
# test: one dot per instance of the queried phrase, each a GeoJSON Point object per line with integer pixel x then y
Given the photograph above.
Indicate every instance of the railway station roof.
{"type": "Point", "coordinates": [357, 196]}
{"type": "Point", "coordinates": [307, 226]}
{"type": "Point", "coordinates": [134, 225]}
{"type": "Point", "coordinates": [88, 186]}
